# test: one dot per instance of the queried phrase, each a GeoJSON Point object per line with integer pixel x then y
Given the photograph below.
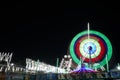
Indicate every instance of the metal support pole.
{"type": "Point", "coordinates": [107, 63]}
{"type": "Point", "coordinates": [57, 64]}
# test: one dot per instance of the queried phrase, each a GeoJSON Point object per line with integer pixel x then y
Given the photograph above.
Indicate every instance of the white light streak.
{"type": "Point", "coordinates": [88, 30]}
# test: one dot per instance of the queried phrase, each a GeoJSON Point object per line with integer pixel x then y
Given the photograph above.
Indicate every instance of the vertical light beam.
{"type": "Point", "coordinates": [88, 27]}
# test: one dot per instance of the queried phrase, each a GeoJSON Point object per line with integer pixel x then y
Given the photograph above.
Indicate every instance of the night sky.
{"type": "Point", "coordinates": [44, 30]}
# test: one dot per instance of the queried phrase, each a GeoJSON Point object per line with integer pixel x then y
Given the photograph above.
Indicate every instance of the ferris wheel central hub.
{"type": "Point", "coordinates": [90, 48]}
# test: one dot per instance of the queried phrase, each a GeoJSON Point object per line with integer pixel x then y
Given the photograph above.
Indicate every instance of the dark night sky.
{"type": "Point", "coordinates": [43, 30]}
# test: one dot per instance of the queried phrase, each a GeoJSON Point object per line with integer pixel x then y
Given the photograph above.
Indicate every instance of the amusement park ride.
{"type": "Point", "coordinates": [89, 51]}
{"type": "Point", "coordinates": [90, 47]}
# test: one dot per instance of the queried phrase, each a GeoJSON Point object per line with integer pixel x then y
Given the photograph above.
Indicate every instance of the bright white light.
{"type": "Point", "coordinates": [65, 56]}
{"type": "Point", "coordinates": [12, 64]}
{"type": "Point", "coordinates": [68, 56]}
{"type": "Point", "coordinates": [118, 67]}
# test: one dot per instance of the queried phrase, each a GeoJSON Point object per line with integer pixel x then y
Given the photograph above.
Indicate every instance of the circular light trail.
{"type": "Point", "coordinates": [98, 46]}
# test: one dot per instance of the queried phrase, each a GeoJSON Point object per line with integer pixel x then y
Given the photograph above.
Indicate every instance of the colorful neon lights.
{"type": "Point", "coordinates": [100, 44]}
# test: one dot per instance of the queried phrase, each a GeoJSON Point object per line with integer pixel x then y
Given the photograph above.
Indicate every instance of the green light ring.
{"type": "Point", "coordinates": [107, 41]}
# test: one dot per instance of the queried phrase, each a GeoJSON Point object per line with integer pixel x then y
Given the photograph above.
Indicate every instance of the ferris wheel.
{"type": "Point", "coordinates": [92, 46]}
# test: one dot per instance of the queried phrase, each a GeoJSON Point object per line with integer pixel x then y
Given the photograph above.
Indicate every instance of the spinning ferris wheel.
{"type": "Point", "coordinates": [92, 47]}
